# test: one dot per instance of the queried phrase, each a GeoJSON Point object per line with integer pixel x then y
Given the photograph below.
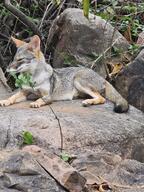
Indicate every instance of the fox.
{"type": "Point", "coordinates": [58, 84]}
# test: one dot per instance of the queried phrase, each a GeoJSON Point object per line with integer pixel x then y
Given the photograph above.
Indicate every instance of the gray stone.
{"type": "Point", "coordinates": [94, 127]}
{"type": "Point", "coordinates": [123, 175]}
{"type": "Point", "coordinates": [75, 40]}
{"type": "Point", "coordinates": [19, 171]}
{"type": "Point", "coordinates": [130, 82]}
{"type": "Point", "coordinates": [93, 130]}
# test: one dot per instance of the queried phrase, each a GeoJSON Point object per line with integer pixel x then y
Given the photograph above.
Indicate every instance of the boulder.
{"type": "Point", "coordinates": [75, 40]}
{"type": "Point", "coordinates": [81, 127]}
{"type": "Point", "coordinates": [19, 171]}
{"type": "Point", "coordinates": [121, 175]}
{"type": "Point", "coordinates": [95, 127]}
{"type": "Point", "coordinates": [130, 82]}
{"type": "Point", "coordinates": [109, 144]}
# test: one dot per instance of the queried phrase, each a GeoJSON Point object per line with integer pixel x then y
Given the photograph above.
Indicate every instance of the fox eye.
{"type": "Point", "coordinates": [19, 60]}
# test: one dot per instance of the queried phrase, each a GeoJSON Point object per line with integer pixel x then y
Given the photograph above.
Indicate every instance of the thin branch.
{"type": "Point", "coordinates": [4, 80]}
{"type": "Point", "coordinates": [22, 17]}
{"type": "Point", "coordinates": [45, 13]}
{"type": "Point", "coordinates": [4, 37]}
{"type": "Point", "coordinates": [60, 8]}
{"type": "Point", "coordinates": [2, 63]}
{"type": "Point", "coordinates": [60, 128]}
{"type": "Point", "coordinates": [103, 54]}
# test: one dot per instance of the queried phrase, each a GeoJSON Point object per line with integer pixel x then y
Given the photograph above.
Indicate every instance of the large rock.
{"type": "Point", "coordinates": [122, 175]}
{"type": "Point", "coordinates": [130, 82]}
{"type": "Point", "coordinates": [89, 133]}
{"type": "Point", "coordinates": [75, 40]}
{"type": "Point", "coordinates": [19, 171]}
{"type": "Point", "coordinates": [94, 127]}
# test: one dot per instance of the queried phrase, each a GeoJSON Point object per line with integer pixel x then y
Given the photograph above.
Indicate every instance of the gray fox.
{"type": "Point", "coordinates": [59, 84]}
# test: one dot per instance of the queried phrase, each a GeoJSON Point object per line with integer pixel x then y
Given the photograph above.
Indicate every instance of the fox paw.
{"type": "Point", "coordinates": [4, 103]}
{"type": "Point", "coordinates": [35, 105]}
{"type": "Point", "coordinates": [38, 103]}
{"type": "Point", "coordinates": [86, 103]}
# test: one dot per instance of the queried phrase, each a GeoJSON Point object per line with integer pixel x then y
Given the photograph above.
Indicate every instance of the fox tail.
{"type": "Point", "coordinates": [120, 104]}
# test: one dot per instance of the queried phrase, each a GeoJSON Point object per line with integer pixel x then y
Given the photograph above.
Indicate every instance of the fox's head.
{"type": "Point", "coordinates": [27, 57]}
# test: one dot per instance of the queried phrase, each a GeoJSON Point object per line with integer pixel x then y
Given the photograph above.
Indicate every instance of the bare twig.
{"type": "Point", "coordinates": [22, 17]}
{"type": "Point", "coordinates": [9, 38]}
{"type": "Point", "coordinates": [102, 55]}
{"type": "Point", "coordinates": [116, 185]}
{"type": "Point", "coordinates": [4, 80]}
{"type": "Point", "coordinates": [2, 63]}
{"type": "Point", "coordinates": [4, 37]}
{"type": "Point", "coordinates": [116, 22]}
{"type": "Point", "coordinates": [45, 13]}
{"type": "Point", "coordinates": [60, 128]}
{"type": "Point", "coordinates": [60, 8]}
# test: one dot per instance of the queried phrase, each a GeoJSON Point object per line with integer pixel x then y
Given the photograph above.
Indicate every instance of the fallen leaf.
{"type": "Point", "coordinates": [117, 68]}
{"type": "Point", "coordinates": [140, 40]}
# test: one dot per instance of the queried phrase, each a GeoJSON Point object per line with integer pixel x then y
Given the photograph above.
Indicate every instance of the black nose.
{"type": "Point", "coordinates": [12, 65]}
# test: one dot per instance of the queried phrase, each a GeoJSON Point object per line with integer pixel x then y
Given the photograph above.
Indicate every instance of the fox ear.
{"type": "Point", "coordinates": [34, 44]}
{"type": "Point", "coordinates": [17, 42]}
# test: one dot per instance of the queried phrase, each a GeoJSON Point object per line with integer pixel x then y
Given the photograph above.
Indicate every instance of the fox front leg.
{"type": "Point", "coordinates": [18, 97]}
{"type": "Point", "coordinates": [45, 100]}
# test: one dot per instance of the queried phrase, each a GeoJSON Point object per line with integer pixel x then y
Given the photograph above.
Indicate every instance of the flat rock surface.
{"type": "Point", "coordinates": [102, 140]}
{"type": "Point", "coordinates": [94, 127]}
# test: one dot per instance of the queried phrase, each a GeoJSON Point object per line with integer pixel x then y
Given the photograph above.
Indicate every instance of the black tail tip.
{"type": "Point", "coordinates": [120, 109]}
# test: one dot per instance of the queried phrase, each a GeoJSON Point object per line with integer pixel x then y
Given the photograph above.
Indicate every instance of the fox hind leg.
{"type": "Point", "coordinates": [96, 97]}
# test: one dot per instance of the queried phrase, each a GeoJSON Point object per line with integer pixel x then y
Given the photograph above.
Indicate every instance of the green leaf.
{"type": "Point", "coordinates": [65, 157]}
{"type": "Point", "coordinates": [86, 6]}
{"type": "Point", "coordinates": [23, 79]}
{"type": "Point", "coordinates": [27, 137]}
{"type": "Point", "coordinates": [57, 2]}
{"type": "Point", "coordinates": [114, 2]}
{"type": "Point", "coordinates": [110, 10]}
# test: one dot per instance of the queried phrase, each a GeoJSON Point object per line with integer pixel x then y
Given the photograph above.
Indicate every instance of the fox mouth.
{"type": "Point", "coordinates": [13, 70]}
{"type": "Point", "coordinates": [20, 69]}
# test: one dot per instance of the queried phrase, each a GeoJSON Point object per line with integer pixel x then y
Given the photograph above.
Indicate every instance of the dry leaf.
{"type": "Point", "coordinates": [127, 34]}
{"type": "Point", "coordinates": [102, 187]}
{"type": "Point", "coordinates": [117, 68]}
{"type": "Point", "coordinates": [140, 40]}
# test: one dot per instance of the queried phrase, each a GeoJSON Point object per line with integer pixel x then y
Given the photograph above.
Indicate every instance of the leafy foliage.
{"type": "Point", "coordinates": [23, 79]}
{"type": "Point", "coordinates": [126, 17]}
{"type": "Point", "coordinates": [27, 138]}
{"type": "Point", "coordinates": [134, 49]}
{"type": "Point", "coordinates": [65, 157]}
